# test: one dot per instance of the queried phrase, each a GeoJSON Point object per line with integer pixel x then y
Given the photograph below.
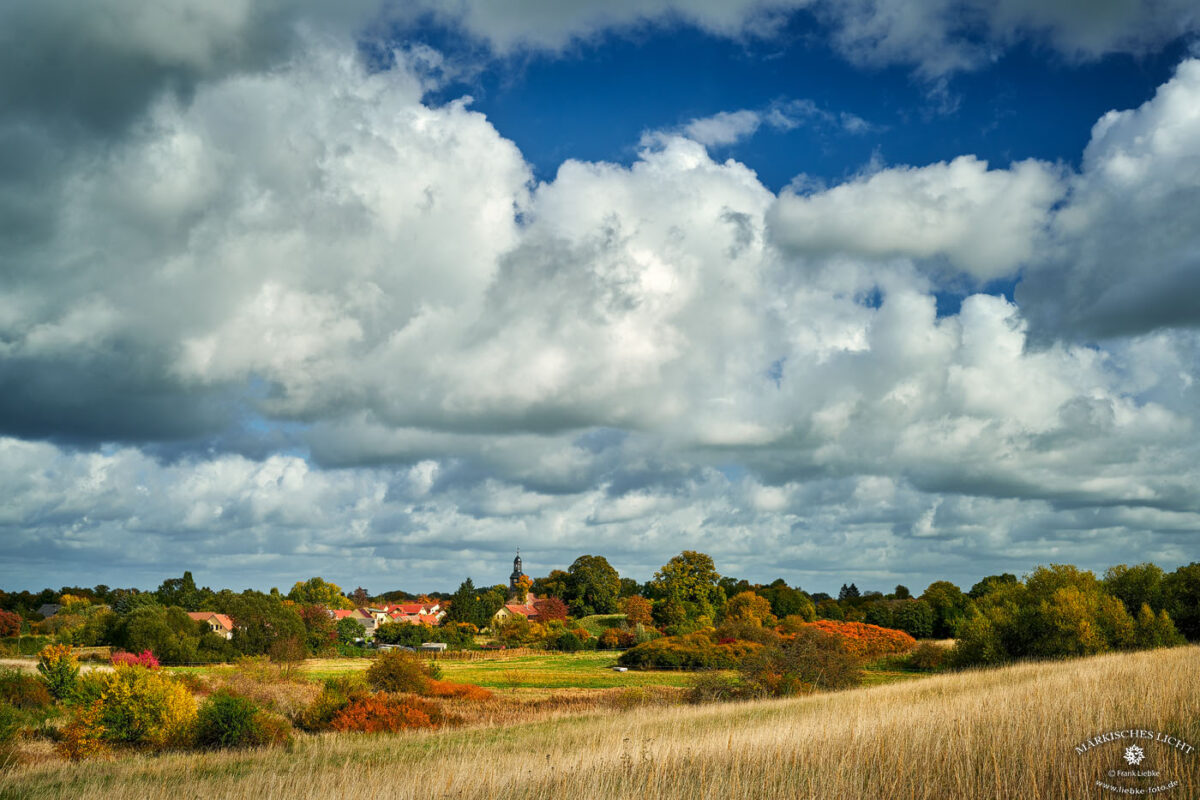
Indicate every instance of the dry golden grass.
{"type": "Point", "coordinates": [1006, 733]}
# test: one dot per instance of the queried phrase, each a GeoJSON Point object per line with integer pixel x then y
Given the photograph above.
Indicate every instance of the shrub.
{"type": "Point", "coordinates": [145, 659]}
{"type": "Point", "coordinates": [10, 728]}
{"type": "Point", "coordinates": [384, 713]}
{"type": "Point", "coordinates": [83, 736]}
{"type": "Point", "coordinates": [568, 642]}
{"type": "Point", "coordinates": [230, 721]}
{"type": "Point", "coordinates": [137, 707]}
{"type": "Point", "coordinates": [977, 644]}
{"type": "Point", "coordinates": [710, 687]}
{"type": "Point", "coordinates": [10, 624]}
{"type": "Point", "coordinates": [812, 659]}
{"type": "Point", "coordinates": [867, 641]}
{"type": "Point", "coordinates": [927, 656]}
{"type": "Point", "coordinates": [397, 671]}
{"type": "Point", "coordinates": [59, 669]}
{"type": "Point", "coordinates": [23, 692]}
{"type": "Point", "coordinates": [336, 695]}
{"type": "Point", "coordinates": [690, 651]}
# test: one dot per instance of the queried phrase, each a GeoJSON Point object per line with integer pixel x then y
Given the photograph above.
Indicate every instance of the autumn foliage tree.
{"type": "Point", "coordinates": [637, 610]}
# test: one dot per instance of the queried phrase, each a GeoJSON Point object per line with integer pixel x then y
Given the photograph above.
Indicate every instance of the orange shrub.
{"type": "Point", "coordinates": [467, 691]}
{"type": "Point", "coordinates": [867, 641]}
{"type": "Point", "coordinates": [384, 713]}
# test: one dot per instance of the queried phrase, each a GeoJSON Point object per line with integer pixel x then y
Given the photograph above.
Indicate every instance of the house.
{"type": "Point", "coordinates": [220, 624]}
{"type": "Point", "coordinates": [48, 610]}
{"type": "Point", "coordinates": [516, 607]}
{"type": "Point", "coordinates": [362, 616]}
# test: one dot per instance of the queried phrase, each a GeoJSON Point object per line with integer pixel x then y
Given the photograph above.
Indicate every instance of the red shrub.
{"type": "Point", "coordinates": [10, 624]}
{"type": "Point", "coordinates": [383, 713]}
{"type": "Point", "coordinates": [867, 641]}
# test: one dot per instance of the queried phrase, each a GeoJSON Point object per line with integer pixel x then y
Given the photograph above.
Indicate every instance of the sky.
{"type": "Point", "coordinates": [882, 291]}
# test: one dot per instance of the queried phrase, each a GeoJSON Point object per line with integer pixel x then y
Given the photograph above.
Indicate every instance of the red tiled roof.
{"type": "Point", "coordinates": [524, 611]}
{"type": "Point", "coordinates": [204, 616]}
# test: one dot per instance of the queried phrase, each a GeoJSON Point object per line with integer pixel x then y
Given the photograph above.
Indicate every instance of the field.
{"type": "Point", "coordinates": [1003, 733]}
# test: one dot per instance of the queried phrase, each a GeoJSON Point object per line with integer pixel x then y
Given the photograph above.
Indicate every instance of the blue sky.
{"type": "Point", "coordinates": [884, 292]}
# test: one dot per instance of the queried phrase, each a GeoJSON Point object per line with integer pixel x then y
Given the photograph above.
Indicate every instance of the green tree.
{"type": "Point", "coordinates": [317, 591]}
{"type": "Point", "coordinates": [320, 631]}
{"type": "Point", "coordinates": [349, 631]}
{"type": "Point", "coordinates": [181, 592]}
{"type": "Point", "coordinates": [991, 583]}
{"type": "Point", "coordinates": [553, 585]}
{"type": "Point", "coordinates": [1181, 591]}
{"type": "Point", "coordinates": [691, 577]}
{"type": "Point", "coordinates": [593, 586]}
{"type": "Point", "coordinates": [465, 605]}
{"type": "Point", "coordinates": [949, 606]}
{"type": "Point", "coordinates": [1155, 630]}
{"type": "Point", "coordinates": [914, 617]}
{"type": "Point", "coordinates": [259, 620]}
{"type": "Point", "coordinates": [1136, 586]}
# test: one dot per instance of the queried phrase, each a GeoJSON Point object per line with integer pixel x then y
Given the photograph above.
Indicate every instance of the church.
{"type": "Point", "coordinates": [521, 602]}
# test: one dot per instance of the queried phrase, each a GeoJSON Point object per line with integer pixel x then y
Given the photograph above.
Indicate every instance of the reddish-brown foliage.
{"type": "Point", "coordinates": [867, 641]}
{"type": "Point", "coordinates": [10, 623]}
{"type": "Point", "coordinates": [551, 608]}
{"type": "Point", "coordinates": [384, 713]}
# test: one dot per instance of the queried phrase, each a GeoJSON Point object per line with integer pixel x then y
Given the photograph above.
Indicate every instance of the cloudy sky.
{"type": "Point", "coordinates": [881, 290]}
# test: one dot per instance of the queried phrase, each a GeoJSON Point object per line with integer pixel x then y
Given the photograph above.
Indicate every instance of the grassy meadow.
{"type": "Point", "coordinates": [1003, 733]}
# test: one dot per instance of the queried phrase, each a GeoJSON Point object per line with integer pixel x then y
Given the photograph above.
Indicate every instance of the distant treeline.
{"type": "Point", "coordinates": [1053, 611]}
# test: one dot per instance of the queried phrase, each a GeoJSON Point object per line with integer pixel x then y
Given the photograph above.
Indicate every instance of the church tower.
{"type": "Point", "coordinates": [516, 573]}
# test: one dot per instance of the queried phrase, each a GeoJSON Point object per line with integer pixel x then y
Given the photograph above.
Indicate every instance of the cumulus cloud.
{"type": "Point", "coordinates": [1126, 250]}
{"type": "Point", "coordinates": [984, 222]}
{"type": "Point", "coordinates": [936, 37]}
{"type": "Point", "coordinates": [622, 359]}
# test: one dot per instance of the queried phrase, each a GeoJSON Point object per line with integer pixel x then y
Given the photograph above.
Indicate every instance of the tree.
{"type": "Point", "coordinates": [288, 652]}
{"type": "Point", "coordinates": [592, 586]}
{"type": "Point", "coordinates": [1181, 591]}
{"type": "Point", "coordinates": [464, 605]}
{"type": "Point", "coordinates": [991, 583]}
{"type": "Point", "coordinates": [259, 620]}
{"type": "Point", "coordinates": [691, 577]}
{"type": "Point", "coordinates": [748, 607]}
{"type": "Point", "coordinates": [829, 609]}
{"type": "Point", "coordinates": [349, 631]}
{"type": "Point", "coordinates": [553, 585]}
{"type": "Point", "coordinates": [551, 608]}
{"type": "Point", "coordinates": [524, 584]}
{"type": "Point", "coordinates": [630, 587]}
{"type": "Point", "coordinates": [901, 592]}
{"type": "Point", "coordinates": [359, 597]}
{"type": "Point", "coordinates": [637, 610]}
{"type": "Point", "coordinates": [914, 617]}
{"type": "Point", "coordinates": [949, 606]}
{"type": "Point", "coordinates": [182, 592]}
{"type": "Point", "coordinates": [10, 624]}
{"type": "Point", "coordinates": [785, 601]}
{"type": "Point", "coordinates": [319, 628]}
{"type": "Point", "coordinates": [1136, 586]}
{"type": "Point", "coordinates": [317, 591]}
{"type": "Point", "coordinates": [848, 594]}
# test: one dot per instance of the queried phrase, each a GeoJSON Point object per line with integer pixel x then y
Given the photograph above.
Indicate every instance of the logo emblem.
{"type": "Point", "coordinates": [1134, 754]}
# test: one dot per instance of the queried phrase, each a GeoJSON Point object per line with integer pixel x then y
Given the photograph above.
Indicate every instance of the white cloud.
{"type": "Point", "coordinates": [1125, 254]}
{"type": "Point", "coordinates": [985, 222]}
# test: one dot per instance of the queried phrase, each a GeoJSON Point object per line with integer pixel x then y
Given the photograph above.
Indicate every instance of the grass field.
{"type": "Point", "coordinates": [1005, 733]}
